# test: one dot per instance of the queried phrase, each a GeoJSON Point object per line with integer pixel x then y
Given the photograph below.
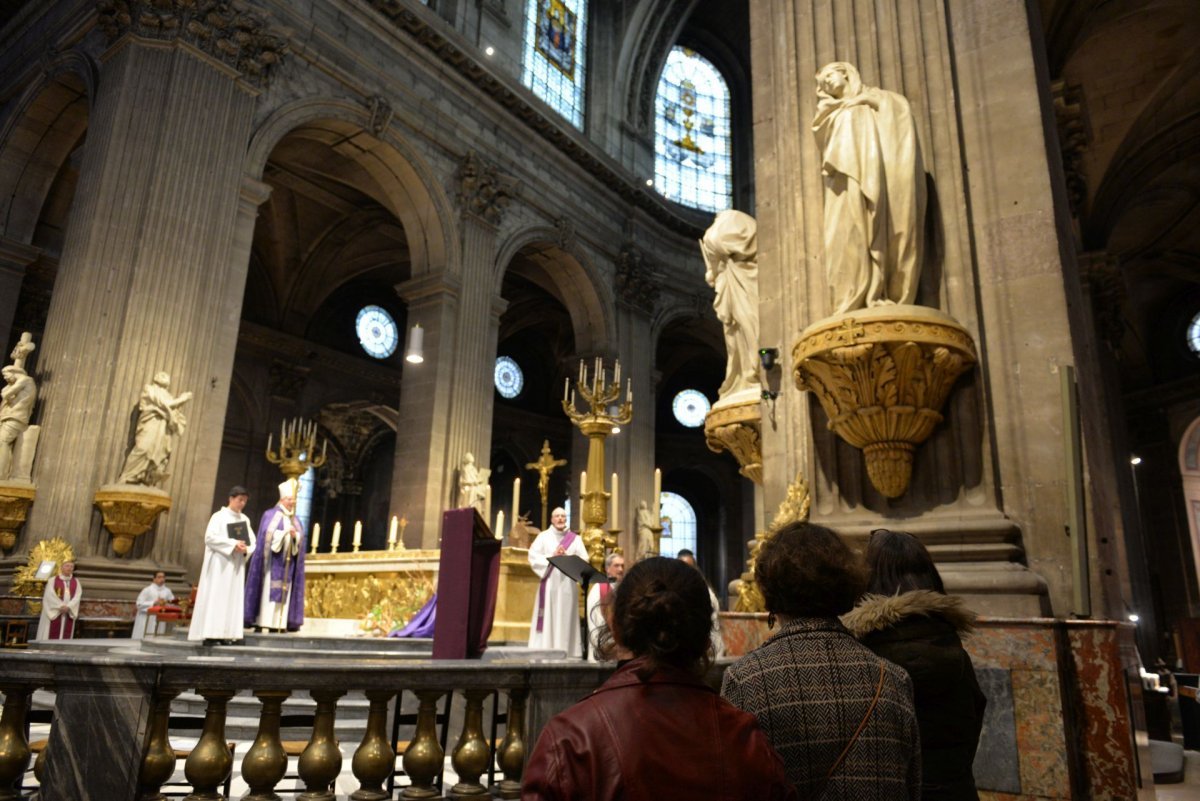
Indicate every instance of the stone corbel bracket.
{"type": "Point", "coordinates": [882, 376]}
{"type": "Point", "coordinates": [129, 511]}
{"type": "Point", "coordinates": [737, 428]}
{"type": "Point", "coordinates": [15, 499]}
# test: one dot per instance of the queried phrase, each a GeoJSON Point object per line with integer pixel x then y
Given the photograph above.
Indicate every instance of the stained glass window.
{"type": "Point", "coordinates": [376, 331]}
{"type": "Point", "coordinates": [679, 525]}
{"type": "Point", "coordinates": [692, 162]}
{"type": "Point", "coordinates": [508, 377]}
{"type": "Point", "coordinates": [1193, 334]}
{"type": "Point", "coordinates": [690, 407]}
{"type": "Point", "coordinates": [555, 54]}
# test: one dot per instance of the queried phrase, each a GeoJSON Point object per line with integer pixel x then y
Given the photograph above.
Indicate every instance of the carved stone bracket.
{"type": "Point", "coordinates": [230, 34]}
{"type": "Point", "coordinates": [1102, 280]}
{"type": "Point", "coordinates": [15, 499]}
{"type": "Point", "coordinates": [129, 512]}
{"type": "Point", "coordinates": [638, 284]}
{"type": "Point", "coordinates": [737, 428]}
{"type": "Point", "coordinates": [1070, 115]}
{"type": "Point", "coordinates": [882, 375]}
{"type": "Point", "coordinates": [484, 191]}
{"type": "Point", "coordinates": [381, 113]}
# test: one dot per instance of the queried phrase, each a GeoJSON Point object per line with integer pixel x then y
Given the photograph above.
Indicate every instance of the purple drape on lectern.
{"type": "Point", "coordinates": [422, 623]}
{"type": "Point", "coordinates": [254, 574]}
{"type": "Point", "coordinates": [468, 575]}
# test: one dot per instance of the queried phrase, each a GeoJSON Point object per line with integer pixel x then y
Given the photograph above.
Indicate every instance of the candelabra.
{"type": "Point", "coordinates": [596, 424]}
{"type": "Point", "coordinates": [297, 448]}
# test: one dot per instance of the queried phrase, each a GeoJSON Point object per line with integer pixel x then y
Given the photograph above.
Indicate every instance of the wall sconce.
{"type": "Point", "coordinates": [414, 352]}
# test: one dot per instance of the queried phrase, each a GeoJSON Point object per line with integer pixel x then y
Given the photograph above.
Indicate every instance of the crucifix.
{"type": "Point", "coordinates": [544, 467]}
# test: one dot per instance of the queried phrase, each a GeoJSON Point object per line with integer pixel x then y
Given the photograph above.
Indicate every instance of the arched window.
{"type": "Point", "coordinates": [556, 54]}
{"type": "Point", "coordinates": [692, 162]}
{"type": "Point", "coordinates": [679, 525]}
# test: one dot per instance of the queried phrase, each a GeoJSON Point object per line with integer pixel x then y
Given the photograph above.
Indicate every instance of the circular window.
{"type": "Point", "coordinates": [690, 406]}
{"type": "Point", "coordinates": [509, 378]}
{"type": "Point", "coordinates": [1193, 334]}
{"type": "Point", "coordinates": [376, 331]}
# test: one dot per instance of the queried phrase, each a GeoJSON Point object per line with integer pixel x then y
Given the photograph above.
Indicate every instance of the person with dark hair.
{"type": "Point", "coordinates": [908, 619]}
{"type": "Point", "coordinates": [655, 729]}
{"type": "Point", "coordinates": [841, 718]}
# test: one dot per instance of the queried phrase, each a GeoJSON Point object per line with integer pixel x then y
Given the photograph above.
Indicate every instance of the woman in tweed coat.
{"type": "Point", "coordinates": [841, 717]}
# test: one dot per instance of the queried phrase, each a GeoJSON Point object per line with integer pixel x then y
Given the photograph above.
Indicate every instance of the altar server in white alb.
{"type": "Point", "coordinates": [155, 593]}
{"type": "Point", "coordinates": [555, 624]}
{"type": "Point", "coordinates": [228, 541]}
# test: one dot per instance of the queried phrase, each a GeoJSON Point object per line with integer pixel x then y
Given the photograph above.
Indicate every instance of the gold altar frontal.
{"type": "Point", "coordinates": [391, 586]}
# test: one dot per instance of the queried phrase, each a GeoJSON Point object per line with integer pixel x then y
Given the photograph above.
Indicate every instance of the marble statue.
{"type": "Point", "coordinates": [159, 424]}
{"type": "Point", "coordinates": [16, 406]}
{"type": "Point", "coordinates": [472, 484]}
{"type": "Point", "coordinates": [22, 349]}
{"type": "Point", "coordinates": [647, 545]}
{"type": "Point", "coordinates": [730, 248]}
{"type": "Point", "coordinates": [874, 191]}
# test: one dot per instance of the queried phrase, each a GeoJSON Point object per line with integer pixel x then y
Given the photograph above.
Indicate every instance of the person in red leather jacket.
{"type": "Point", "coordinates": [655, 730]}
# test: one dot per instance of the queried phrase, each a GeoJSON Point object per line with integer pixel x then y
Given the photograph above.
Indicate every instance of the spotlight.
{"type": "Point", "coordinates": [1135, 460]}
{"type": "Point", "coordinates": [1134, 617]}
{"type": "Point", "coordinates": [491, 51]}
{"type": "Point", "coordinates": [414, 352]}
{"type": "Point", "coordinates": [768, 356]}
{"type": "Point", "coordinates": [649, 182]}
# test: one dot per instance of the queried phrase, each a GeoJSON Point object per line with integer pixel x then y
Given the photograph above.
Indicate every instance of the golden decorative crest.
{"type": "Point", "coordinates": [738, 429]}
{"type": "Point", "coordinates": [25, 578]}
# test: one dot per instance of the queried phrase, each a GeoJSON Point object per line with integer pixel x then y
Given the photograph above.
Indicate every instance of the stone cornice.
{"type": "Point", "coordinates": [522, 104]}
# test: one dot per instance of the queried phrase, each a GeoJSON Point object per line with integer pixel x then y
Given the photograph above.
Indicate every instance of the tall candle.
{"type": "Point", "coordinates": [316, 537]}
{"type": "Point", "coordinates": [392, 531]}
{"type": "Point", "coordinates": [499, 530]}
{"type": "Point", "coordinates": [516, 513]}
{"type": "Point", "coordinates": [616, 505]}
{"type": "Point", "coordinates": [566, 387]}
{"type": "Point", "coordinates": [337, 535]}
{"type": "Point", "coordinates": [357, 533]}
{"type": "Point", "coordinates": [657, 496]}
{"type": "Point", "coordinates": [487, 502]}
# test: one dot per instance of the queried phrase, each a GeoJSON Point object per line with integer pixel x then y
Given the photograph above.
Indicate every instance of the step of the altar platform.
{"type": "Point", "coordinates": [242, 713]}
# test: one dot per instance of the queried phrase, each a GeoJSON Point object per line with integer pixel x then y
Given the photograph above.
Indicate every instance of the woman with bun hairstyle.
{"type": "Point", "coordinates": [655, 730]}
{"type": "Point", "coordinates": [907, 618]}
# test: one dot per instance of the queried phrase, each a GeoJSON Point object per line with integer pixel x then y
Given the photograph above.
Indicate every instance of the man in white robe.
{"type": "Point", "coordinates": [154, 594]}
{"type": "Point", "coordinates": [599, 602]}
{"type": "Point", "coordinates": [60, 605]}
{"type": "Point", "coordinates": [555, 623]}
{"type": "Point", "coordinates": [217, 617]}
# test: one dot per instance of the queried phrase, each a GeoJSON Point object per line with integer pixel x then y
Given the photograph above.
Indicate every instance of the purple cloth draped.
{"type": "Point", "coordinates": [567, 539]}
{"type": "Point", "coordinates": [257, 568]}
{"type": "Point", "coordinates": [422, 622]}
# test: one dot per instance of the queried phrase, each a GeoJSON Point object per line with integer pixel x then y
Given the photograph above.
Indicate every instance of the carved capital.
{"type": "Point", "coordinates": [483, 191]}
{"type": "Point", "coordinates": [882, 376]}
{"type": "Point", "coordinates": [232, 35]}
{"type": "Point", "coordinates": [637, 280]}
{"type": "Point", "coordinates": [737, 428]}
{"type": "Point", "coordinates": [1070, 116]}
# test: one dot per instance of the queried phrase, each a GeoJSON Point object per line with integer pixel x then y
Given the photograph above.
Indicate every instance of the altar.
{"type": "Point", "coordinates": [381, 590]}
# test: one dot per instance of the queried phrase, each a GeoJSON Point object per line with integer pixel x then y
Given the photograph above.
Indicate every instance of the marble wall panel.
{"type": "Point", "coordinates": [997, 761]}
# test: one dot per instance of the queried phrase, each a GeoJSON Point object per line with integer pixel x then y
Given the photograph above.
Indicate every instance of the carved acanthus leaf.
{"type": "Point", "coordinates": [483, 191]}
{"type": "Point", "coordinates": [638, 283]}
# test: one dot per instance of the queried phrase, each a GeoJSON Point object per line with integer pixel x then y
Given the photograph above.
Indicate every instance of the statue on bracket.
{"type": "Point", "coordinates": [730, 248]}
{"type": "Point", "coordinates": [472, 484]}
{"type": "Point", "coordinates": [874, 191]}
{"type": "Point", "coordinates": [17, 397]}
{"type": "Point", "coordinates": [647, 541]}
{"type": "Point", "coordinates": [159, 425]}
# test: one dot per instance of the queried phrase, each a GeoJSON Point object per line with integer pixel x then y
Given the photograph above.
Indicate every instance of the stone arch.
{"type": "Point", "coordinates": [407, 185]}
{"type": "Point", "coordinates": [575, 281]}
{"type": "Point", "coordinates": [1189, 470]}
{"type": "Point", "coordinates": [45, 126]}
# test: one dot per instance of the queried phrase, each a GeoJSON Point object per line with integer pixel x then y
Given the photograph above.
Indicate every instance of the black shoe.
{"type": "Point", "coordinates": [209, 642]}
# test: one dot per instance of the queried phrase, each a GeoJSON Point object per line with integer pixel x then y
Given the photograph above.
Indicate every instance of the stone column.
{"type": "Point", "coordinates": [148, 280]}
{"type": "Point", "coordinates": [14, 258]}
{"type": "Point", "coordinates": [987, 487]}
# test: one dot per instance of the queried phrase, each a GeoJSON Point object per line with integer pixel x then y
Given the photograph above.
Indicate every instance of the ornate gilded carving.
{"type": "Point", "coordinates": [795, 508]}
{"type": "Point", "coordinates": [882, 376]}
{"type": "Point", "coordinates": [25, 580]}
{"type": "Point", "coordinates": [383, 603]}
{"type": "Point", "coordinates": [483, 191]}
{"type": "Point", "coordinates": [129, 512]}
{"type": "Point", "coordinates": [737, 428]}
{"type": "Point", "coordinates": [234, 36]}
{"type": "Point", "coordinates": [638, 283]}
{"type": "Point", "coordinates": [15, 500]}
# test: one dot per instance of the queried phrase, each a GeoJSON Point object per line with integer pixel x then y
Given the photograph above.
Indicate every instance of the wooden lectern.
{"type": "Point", "coordinates": [468, 575]}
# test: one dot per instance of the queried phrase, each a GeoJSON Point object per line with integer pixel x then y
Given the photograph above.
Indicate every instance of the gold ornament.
{"type": "Point", "coordinates": [737, 428]}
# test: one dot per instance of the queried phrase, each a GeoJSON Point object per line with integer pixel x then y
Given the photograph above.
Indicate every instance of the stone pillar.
{"type": "Point", "coordinates": [987, 487]}
{"type": "Point", "coordinates": [14, 258]}
{"type": "Point", "coordinates": [148, 279]}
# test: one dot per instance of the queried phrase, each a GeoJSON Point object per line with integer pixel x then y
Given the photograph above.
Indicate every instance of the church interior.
{"type": "Point", "coordinates": [405, 225]}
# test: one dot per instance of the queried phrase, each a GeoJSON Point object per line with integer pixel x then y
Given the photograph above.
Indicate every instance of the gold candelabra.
{"type": "Point", "coordinates": [297, 448]}
{"type": "Point", "coordinates": [596, 424]}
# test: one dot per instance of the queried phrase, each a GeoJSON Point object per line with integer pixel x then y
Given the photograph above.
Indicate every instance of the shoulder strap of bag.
{"type": "Point", "coordinates": [862, 724]}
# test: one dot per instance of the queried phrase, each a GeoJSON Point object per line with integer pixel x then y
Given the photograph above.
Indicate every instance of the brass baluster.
{"type": "Point", "coordinates": [510, 756]}
{"type": "Point", "coordinates": [374, 760]}
{"type": "Point", "coordinates": [321, 761]}
{"type": "Point", "coordinates": [424, 755]}
{"type": "Point", "coordinates": [471, 753]}
{"type": "Point", "coordinates": [266, 763]}
{"type": "Point", "coordinates": [210, 761]}
{"type": "Point", "coordinates": [158, 763]}
{"type": "Point", "coordinates": [14, 748]}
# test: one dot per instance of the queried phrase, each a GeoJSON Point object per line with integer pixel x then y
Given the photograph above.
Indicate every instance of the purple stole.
{"type": "Point", "coordinates": [63, 626]}
{"type": "Point", "coordinates": [567, 539]}
{"type": "Point", "coordinates": [276, 562]}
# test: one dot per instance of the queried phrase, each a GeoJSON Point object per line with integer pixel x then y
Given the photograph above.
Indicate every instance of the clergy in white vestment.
{"type": "Point", "coordinates": [555, 624]}
{"type": "Point", "coordinates": [60, 605]}
{"type": "Point", "coordinates": [228, 541]}
{"type": "Point", "coordinates": [153, 594]}
{"type": "Point", "coordinates": [598, 607]}
{"type": "Point", "coordinates": [275, 578]}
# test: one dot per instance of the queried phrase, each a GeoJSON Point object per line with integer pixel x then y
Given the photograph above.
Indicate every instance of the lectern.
{"type": "Point", "coordinates": [468, 574]}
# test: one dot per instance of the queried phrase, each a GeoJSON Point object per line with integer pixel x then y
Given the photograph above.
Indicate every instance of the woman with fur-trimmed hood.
{"type": "Point", "coordinates": [907, 618]}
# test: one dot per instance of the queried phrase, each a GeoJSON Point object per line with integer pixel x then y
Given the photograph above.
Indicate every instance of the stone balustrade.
{"type": "Point", "coordinates": [109, 737]}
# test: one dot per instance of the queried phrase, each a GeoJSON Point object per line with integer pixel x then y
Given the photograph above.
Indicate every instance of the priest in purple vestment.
{"type": "Point", "coordinates": [275, 581]}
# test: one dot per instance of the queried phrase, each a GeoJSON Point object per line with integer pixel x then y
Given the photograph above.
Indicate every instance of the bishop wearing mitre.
{"type": "Point", "coordinates": [275, 584]}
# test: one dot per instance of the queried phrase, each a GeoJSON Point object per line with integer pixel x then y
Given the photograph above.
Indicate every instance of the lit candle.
{"type": "Point", "coordinates": [581, 373]}
{"type": "Point", "coordinates": [357, 534]}
{"type": "Point", "coordinates": [269, 442]}
{"type": "Point", "coordinates": [337, 535]}
{"type": "Point", "coordinates": [657, 495]}
{"type": "Point", "coordinates": [566, 390]}
{"type": "Point", "coordinates": [499, 532]}
{"type": "Point", "coordinates": [617, 373]}
{"type": "Point", "coordinates": [615, 503]}
{"type": "Point", "coordinates": [629, 390]}
{"type": "Point", "coordinates": [316, 537]}
{"type": "Point", "coordinates": [487, 502]}
{"type": "Point", "coordinates": [516, 499]}
{"type": "Point", "coordinates": [392, 532]}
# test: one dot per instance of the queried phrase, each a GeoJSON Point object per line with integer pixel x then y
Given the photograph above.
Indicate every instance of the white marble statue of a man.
{"type": "Point", "coordinates": [472, 484]}
{"type": "Point", "coordinates": [159, 424]}
{"type": "Point", "coordinates": [874, 191]}
{"type": "Point", "coordinates": [16, 406]}
{"type": "Point", "coordinates": [730, 248]}
{"type": "Point", "coordinates": [646, 543]}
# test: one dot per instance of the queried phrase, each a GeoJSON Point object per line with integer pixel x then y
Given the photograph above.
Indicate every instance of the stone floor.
{"type": "Point", "coordinates": [1189, 789]}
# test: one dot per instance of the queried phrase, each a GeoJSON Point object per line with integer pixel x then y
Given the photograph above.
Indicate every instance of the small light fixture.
{"type": "Point", "coordinates": [1135, 460]}
{"type": "Point", "coordinates": [491, 51]}
{"type": "Point", "coordinates": [414, 352]}
{"type": "Point", "coordinates": [649, 182]}
{"type": "Point", "coordinates": [1134, 617]}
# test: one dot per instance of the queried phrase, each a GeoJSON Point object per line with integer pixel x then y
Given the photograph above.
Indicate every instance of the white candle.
{"type": "Point", "coordinates": [337, 535]}
{"type": "Point", "coordinates": [612, 518]}
{"type": "Point", "coordinates": [357, 533]}
{"type": "Point", "coordinates": [516, 499]}
{"type": "Point", "coordinates": [316, 537]}
{"type": "Point", "coordinates": [392, 531]}
{"type": "Point", "coordinates": [629, 390]}
{"type": "Point", "coordinates": [487, 502]}
{"type": "Point", "coordinates": [617, 373]}
{"type": "Point", "coordinates": [269, 442]}
{"type": "Point", "coordinates": [657, 496]}
{"type": "Point", "coordinates": [499, 531]}
{"type": "Point", "coordinates": [566, 387]}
